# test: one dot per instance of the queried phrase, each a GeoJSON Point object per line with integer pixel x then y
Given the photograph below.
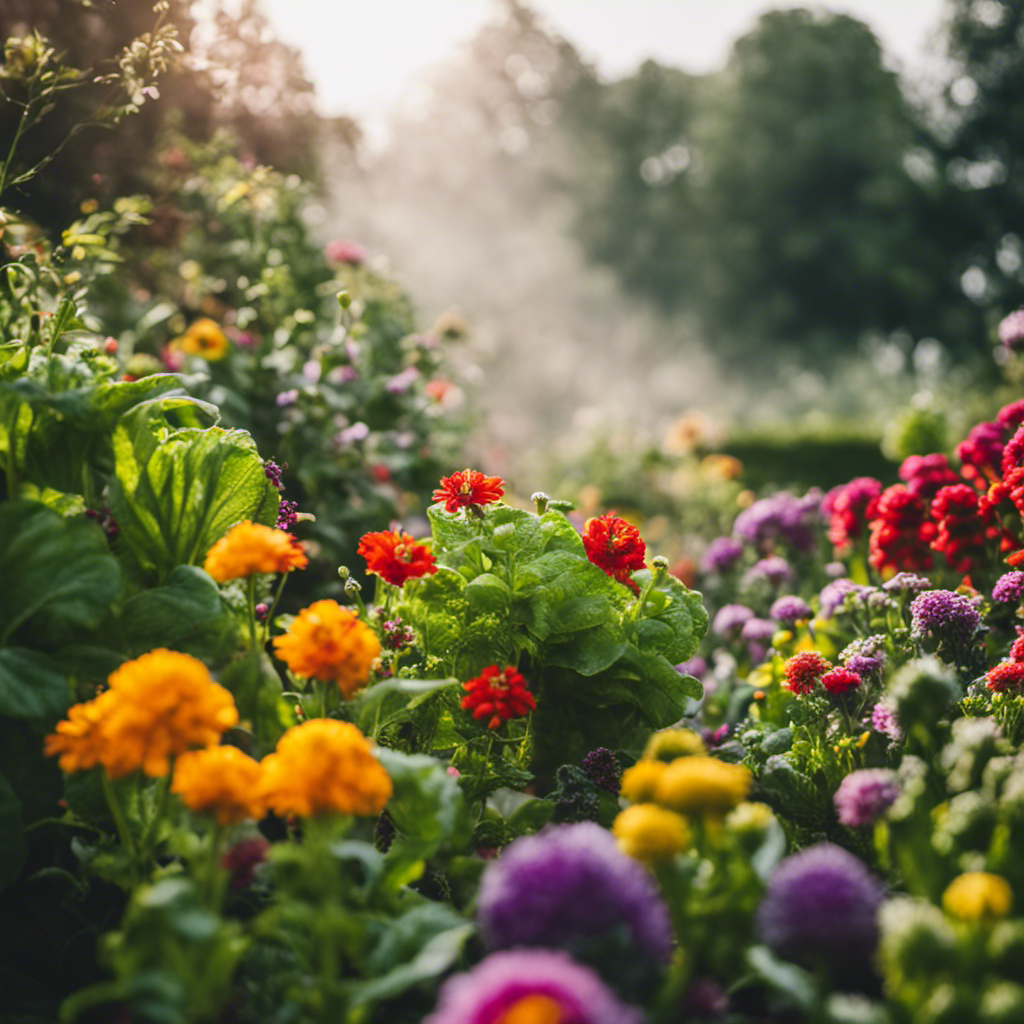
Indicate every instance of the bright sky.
{"type": "Point", "coordinates": [363, 54]}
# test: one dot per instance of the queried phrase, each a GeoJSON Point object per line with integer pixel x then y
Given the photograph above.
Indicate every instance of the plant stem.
{"type": "Point", "coordinates": [123, 831]}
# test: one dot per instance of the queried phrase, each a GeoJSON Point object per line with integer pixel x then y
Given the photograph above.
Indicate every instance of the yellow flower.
{"type": "Point", "coordinates": [978, 895]}
{"type": "Point", "coordinates": [321, 767]}
{"type": "Point", "coordinates": [702, 785]}
{"type": "Point", "coordinates": [222, 781]}
{"type": "Point", "coordinates": [249, 548]}
{"type": "Point", "coordinates": [649, 832]}
{"type": "Point", "coordinates": [157, 706]}
{"type": "Point", "coordinates": [328, 642]}
{"type": "Point", "coordinates": [641, 780]}
{"type": "Point", "coordinates": [668, 744]}
{"type": "Point", "coordinates": [204, 338]}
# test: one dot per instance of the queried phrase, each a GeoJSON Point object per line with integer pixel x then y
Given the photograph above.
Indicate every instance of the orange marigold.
{"type": "Point", "coordinates": [157, 706]}
{"type": "Point", "coordinates": [324, 767]}
{"type": "Point", "coordinates": [328, 642]}
{"type": "Point", "coordinates": [221, 781]}
{"type": "Point", "coordinates": [205, 338]}
{"type": "Point", "coordinates": [469, 489]}
{"type": "Point", "coordinates": [395, 556]}
{"type": "Point", "coordinates": [249, 548]}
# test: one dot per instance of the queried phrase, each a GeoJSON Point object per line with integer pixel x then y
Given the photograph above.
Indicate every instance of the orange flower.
{"type": "Point", "coordinates": [322, 767]}
{"type": "Point", "coordinates": [249, 548]}
{"type": "Point", "coordinates": [614, 546]}
{"type": "Point", "coordinates": [204, 338]}
{"type": "Point", "coordinates": [328, 642]}
{"type": "Point", "coordinates": [157, 706]}
{"type": "Point", "coordinates": [395, 556]}
{"type": "Point", "coordinates": [222, 781]}
{"type": "Point", "coordinates": [469, 488]}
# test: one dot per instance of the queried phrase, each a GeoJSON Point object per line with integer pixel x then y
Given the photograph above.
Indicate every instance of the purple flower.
{"type": "Point", "coordinates": [943, 616]}
{"type": "Point", "coordinates": [1009, 588]}
{"type": "Point", "coordinates": [1011, 330]}
{"type": "Point", "coordinates": [695, 666]}
{"type": "Point", "coordinates": [883, 720]}
{"type": "Point", "coordinates": [273, 472]}
{"type": "Point", "coordinates": [907, 582]}
{"type": "Point", "coordinates": [570, 882]}
{"type": "Point", "coordinates": [821, 902]}
{"type": "Point", "coordinates": [287, 397]}
{"type": "Point", "coordinates": [342, 375]}
{"type": "Point", "coordinates": [865, 655]}
{"type": "Point", "coordinates": [758, 633]}
{"type": "Point", "coordinates": [722, 554]}
{"type": "Point", "coordinates": [863, 796]}
{"type": "Point", "coordinates": [835, 570]}
{"type": "Point", "coordinates": [730, 620]}
{"type": "Point", "coordinates": [402, 381]}
{"type": "Point", "coordinates": [833, 595]}
{"type": "Point", "coordinates": [357, 432]}
{"type": "Point", "coordinates": [311, 370]}
{"type": "Point", "coordinates": [501, 983]}
{"type": "Point", "coordinates": [602, 768]}
{"type": "Point", "coordinates": [287, 515]}
{"type": "Point", "coordinates": [245, 340]}
{"type": "Point", "coordinates": [789, 609]}
{"type": "Point", "coordinates": [775, 569]}
{"type": "Point", "coordinates": [781, 516]}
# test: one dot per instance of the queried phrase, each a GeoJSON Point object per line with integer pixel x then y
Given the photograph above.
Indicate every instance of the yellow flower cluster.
{"type": "Point", "coordinates": [978, 896]}
{"type": "Point", "coordinates": [651, 833]}
{"type": "Point", "coordinates": [204, 337]}
{"type": "Point", "coordinates": [249, 548]}
{"type": "Point", "coordinates": [329, 643]}
{"type": "Point", "coordinates": [220, 781]}
{"type": "Point", "coordinates": [668, 744]}
{"type": "Point", "coordinates": [156, 707]}
{"type": "Point", "coordinates": [321, 767]}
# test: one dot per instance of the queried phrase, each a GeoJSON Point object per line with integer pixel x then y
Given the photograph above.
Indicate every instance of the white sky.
{"type": "Point", "coordinates": [363, 54]}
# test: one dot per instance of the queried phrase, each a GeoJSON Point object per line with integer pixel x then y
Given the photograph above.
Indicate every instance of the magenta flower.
{"type": "Point", "coordinates": [864, 796]}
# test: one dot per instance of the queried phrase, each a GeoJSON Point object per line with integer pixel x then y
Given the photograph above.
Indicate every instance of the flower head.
{"type": "Point", "coordinates": [342, 250]}
{"type": "Point", "coordinates": [981, 452]}
{"type": "Point", "coordinates": [730, 619]}
{"type": "Point", "coordinates": [849, 509]}
{"type": "Point", "coordinates": [566, 883]}
{"type": "Point", "coordinates": [529, 986]}
{"type": "Point", "coordinates": [977, 896]}
{"type": "Point", "coordinates": [324, 767]}
{"type": "Point", "coordinates": [1011, 330]}
{"type": "Point", "coordinates": [722, 554]}
{"type": "Point", "coordinates": [703, 785]}
{"type": "Point", "coordinates": [640, 781]}
{"type": "Point", "coordinates": [1005, 677]}
{"type": "Point", "coordinates": [329, 643]}
{"type": "Point", "coordinates": [243, 858]}
{"type": "Point", "coordinates": [781, 516]}
{"type": "Point", "coordinates": [821, 902]}
{"type": "Point", "coordinates": [205, 338]}
{"type": "Point", "coordinates": [946, 617]}
{"type": "Point", "coordinates": [804, 670]}
{"type": "Point", "coordinates": [790, 609]}
{"type": "Point", "coordinates": [900, 533]}
{"type": "Point", "coordinates": [470, 489]}
{"type": "Point", "coordinates": [498, 694]}
{"type": "Point", "coordinates": [773, 569]}
{"type": "Point", "coordinates": [395, 556]}
{"type": "Point", "coordinates": [615, 546]}
{"type": "Point", "coordinates": [1009, 588]}
{"type": "Point", "coordinates": [883, 720]}
{"type": "Point", "coordinates": [865, 655]}
{"type": "Point", "coordinates": [668, 744]}
{"type": "Point", "coordinates": [157, 707]}
{"type": "Point", "coordinates": [925, 475]}
{"type": "Point", "coordinates": [602, 768]}
{"type": "Point", "coordinates": [648, 832]}
{"type": "Point", "coordinates": [249, 548]}
{"type": "Point", "coordinates": [907, 583]}
{"type": "Point", "coordinates": [840, 680]}
{"type": "Point", "coordinates": [221, 781]}
{"type": "Point", "coordinates": [863, 796]}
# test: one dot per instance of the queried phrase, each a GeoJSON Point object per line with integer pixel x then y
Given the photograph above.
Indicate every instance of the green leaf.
{"type": "Point", "coordinates": [676, 629]}
{"type": "Point", "coordinates": [13, 849]}
{"type": "Point", "coordinates": [487, 593]}
{"type": "Point", "coordinates": [31, 685]}
{"type": "Point", "coordinates": [178, 490]}
{"type": "Point", "coordinates": [58, 575]}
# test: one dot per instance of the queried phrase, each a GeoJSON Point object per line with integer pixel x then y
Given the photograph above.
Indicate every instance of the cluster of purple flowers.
{"type": "Point", "coordinates": [946, 617]}
{"type": "Point", "coordinates": [790, 609]}
{"type": "Point", "coordinates": [863, 796]}
{"type": "Point", "coordinates": [722, 554]}
{"type": "Point", "coordinates": [781, 517]}
{"type": "Point", "coordinates": [730, 620]}
{"type": "Point", "coordinates": [1009, 588]}
{"type": "Point", "coordinates": [773, 569]}
{"type": "Point", "coordinates": [833, 595]}
{"type": "Point", "coordinates": [866, 655]}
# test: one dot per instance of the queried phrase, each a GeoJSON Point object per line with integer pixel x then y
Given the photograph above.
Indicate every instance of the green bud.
{"type": "Point", "coordinates": [343, 573]}
{"type": "Point", "coordinates": [540, 499]}
{"type": "Point", "coordinates": [352, 587]}
{"type": "Point", "coordinates": [344, 299]}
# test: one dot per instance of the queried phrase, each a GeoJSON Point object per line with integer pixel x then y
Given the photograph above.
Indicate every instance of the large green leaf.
{"type": "Point", "coordinates": [31, 685]}
{"type": "Point", "coordinates": [58, 574]}
{"type": "Point", "coordinates": [676, 629]}
{"type": "Point", "coordinates": [177, 490]}
{"type": "Point", "coordinates": [13, 849]}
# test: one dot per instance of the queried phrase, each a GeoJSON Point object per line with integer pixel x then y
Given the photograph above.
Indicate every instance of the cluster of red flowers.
{"type": "Point", "coordinates": [925, 475]}
{"type": "Point", "coordinates": [804, 671]}
{"type": "Point", "coordinates": [1008, 675]}
{"type": "Point", "coordinates": [901, 533]}
{"type": "Point", "coordinates": [470, 489]}
{"type": "Point", "coordinates": [614, 546]}
{"type": "Point", "coordinates": [395, 556]}
{"type": "Point", "coordinates": [963, 527]}
{"type": "Point", "coordinates": [840, 680]}
{"type": "Point", "coordinates": [849, 509]}
{"type": "Point", "coordinates": [498, 694]}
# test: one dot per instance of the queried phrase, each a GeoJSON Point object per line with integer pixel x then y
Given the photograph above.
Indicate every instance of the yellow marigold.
{"type": "Point", "coordinates": [668, 744]}
{"type": "Point", "coordinates": [641, 780]}
{"type": "Point", "coordinates": [79, 739]}
{"type": "Point", "coordinates": [702, 785]}
{"type": "Point", "coordinates": [651, 833]}
{"type": "Point", "coordinates": [750, 817]}
{"type": "Point", "coordinates": [328, 642]}
{"type": "Point", "coordinates": [321, 767]}
{"type": "Point", "coordinates": [249, 548]}
{"type": "Point", "coordinates": [977, 895]}
{"type": "Point", "coordinates": [221, 781]}
{"type": "Point", "coordinates": [205, 338]}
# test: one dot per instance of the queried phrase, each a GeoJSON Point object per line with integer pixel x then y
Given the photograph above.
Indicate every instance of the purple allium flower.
{"type": "Point", "coordinates": [493, 990]}
{"type": "Point", "coordinates": [865, 655]}
{"type": "Point", "coordinates": [287, 397]}
{"type": "Point", "coordinates": [273, 472]}
{"type": "Point", "coordinates": [722, 554]}
{"type": "Point", "coordinates": [883, 720]}
{"type": "Point", "coordinates": [833, 595]}
{"type": "Point", "coordinates": [775, 569]}
{"type": "Point", "coordinates": [781, 516]}
{"type": "Point", "coordinates": [602, 767]}
{"type": "Point", "coordinates": [907, 582]}
{"type": "Point", "coordinates": [730, 619]}
{"type": "Point", "coordinates": [863, 796]}
{"type": "Point", "coordinates": [695, 666]}
{"type": "Point", "coordinates": [402, 381]}
{"type": "Point", "coordinates": [758, 630]}
{"type": "Point", "coordinates": [1011, 330]}
{"type": "Point", "coordinates": [570, 882]}
{"type": "Point", "coordinates": [944, 616]}
{"type": "Point", "coordinates": [821, 902]}
{"type": "Point", "coordinates": [789, 609]}
{"type": "Point", "coordinates": [262, 610]}
{"type": "Point", "coordinates": [1009, 588]}
{"type": "Point", "coordinates": [287, 514]}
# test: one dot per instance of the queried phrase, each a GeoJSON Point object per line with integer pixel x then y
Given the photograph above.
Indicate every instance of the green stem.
{"type": "Point", "coordinates": [273, 607]}
{"type": "Point", "coordinates": [152, 831]}
{"type": "Point", "coordinates": [123, 832]}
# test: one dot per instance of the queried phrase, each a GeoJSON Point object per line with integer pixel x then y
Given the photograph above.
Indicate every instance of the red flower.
{"type": "Point", "coordinates": [1007, 675]}
{"type": "Point", "coordinates": [849, 509]}
{"type": "Point", "coordinates": [1017, 649]}
{"type": "Point", "coordinates": [469, 489]}
{"type": "Point", "coordinates": [499, 694]}
{"type": "Point", "coordinates": [840, 681]}
{"type": "Point", "coordinates": [614, 546]}
{"type": "Point", "coordinates": [803, 671]}
{"type": "Point", "coordinates": [925, 474]}
{"type": "Point", "coordinates": [395, 556]}
{"type": "Point", "coordinates": [965, 525]}
{"type": "Point", "coordinates": [900, 533]}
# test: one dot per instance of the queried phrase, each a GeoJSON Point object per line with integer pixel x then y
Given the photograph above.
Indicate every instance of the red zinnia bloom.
{"type": "Point", "coordinates": [614, 546]}
{"type": "Point", "coordinates": [840, 681]}
{"type": "Point", "coordinates": [395, 556]}
{"type": "Point", "coordinates": [1007, 675]}
{"type": "Point", "coordinates": [981, 452]}
{"type": "Point", "coordinates": [849, 508]}
{"type": "Point", "coordinates": [499, 694]}
{"type": "Point", "coordinates": [1017, 649]}
{"type": "Point", "coordinates": [965, 525]}
{"type": "Point", "coordinates": [469, 489]}
{"type": "Point", "coordinates": [803, 671]}
{"type": "Point", "coordinates": [925, 474]}
{"type": "Point", "coordinates": [900, 533]}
